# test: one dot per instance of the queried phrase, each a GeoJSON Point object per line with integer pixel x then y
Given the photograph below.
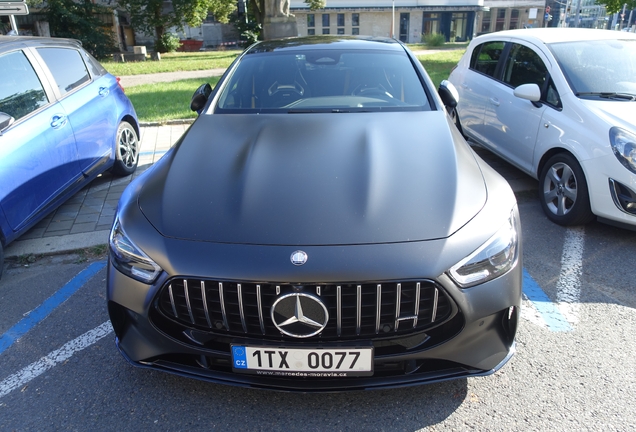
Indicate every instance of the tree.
{"type": "Point", "coordinates": [614, 6]}
{"type": "Point", "coordinates": [151, 17]}
{"type": "Point", "coordinates": [80, 20]}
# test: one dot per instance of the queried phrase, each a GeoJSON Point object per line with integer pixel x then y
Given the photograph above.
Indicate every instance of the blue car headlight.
{"type": "Point", "coordinates": [130, 259]}
{"type": "Point", "coordinates": [624, 147]}
{"type": "Point", "coordinates": [494, 258]}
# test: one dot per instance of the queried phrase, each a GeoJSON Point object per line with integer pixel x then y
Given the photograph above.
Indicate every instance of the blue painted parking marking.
{"type": "Point", "coordinates": [41, 312]}
{"type": "Point", "coordinates": [548, 310]}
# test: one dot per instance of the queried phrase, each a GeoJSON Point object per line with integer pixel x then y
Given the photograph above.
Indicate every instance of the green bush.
{"type": "Point", "coordinates": [434, 39]}
{"type": "Point", "coordinates": [168, 42]}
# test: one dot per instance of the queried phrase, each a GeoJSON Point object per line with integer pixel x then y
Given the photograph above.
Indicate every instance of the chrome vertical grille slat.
{"type": "Point", "coordinates": [339, 310]}
{"type": "Point", "coordinates": [227, 327]}
{"type": "Point", "coordinates": [356, 310]}
{"type": "Point", "coordinates": [398, 300]}
{"type": "Point", "coordinates": [187, 298]}
{"type": "Point", "coordinates": [205, 304]}
{"type": "Point", "coordinates": [435, 299]}
{"type": "Point", "coordinates": [174, 306]}
{"type": "Point", "coordinates": [378, 306]}
{"type": "Point", "coordinates": [259, 303]}
{"type": "Point", "coordinates": [239, 290]}
{"type": "Point", "coordinates": [417, 303]}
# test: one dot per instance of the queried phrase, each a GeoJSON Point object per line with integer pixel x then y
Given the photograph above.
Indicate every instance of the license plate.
{"type": "Point", "coordinates": [303, 362]}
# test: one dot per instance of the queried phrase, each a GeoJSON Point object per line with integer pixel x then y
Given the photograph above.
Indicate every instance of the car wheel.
{"type": "Point", "coordinates": [126, 150]}
{"type": "Point", "coordinates": [563, 191]}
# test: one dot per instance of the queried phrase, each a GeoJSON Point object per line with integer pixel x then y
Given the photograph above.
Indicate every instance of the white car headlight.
{"type": "Point", "coordinates": [129, 259]}
{"type": "Point", "coordinates": [493, 259]}
{"type": "Point", "coordinates": [624, 147]}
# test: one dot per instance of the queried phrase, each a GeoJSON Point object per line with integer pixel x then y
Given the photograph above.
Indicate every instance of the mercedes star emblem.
{"type": "Point", "coordinates": [298, 258]}
{"type": "Point", "coordinates": [299, 315]}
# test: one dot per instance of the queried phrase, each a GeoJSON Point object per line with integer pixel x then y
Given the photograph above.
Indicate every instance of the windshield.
{"type": "Point", "coordinates": [601, 67]}
{"type": "Point", "coordinates": [323, 81]}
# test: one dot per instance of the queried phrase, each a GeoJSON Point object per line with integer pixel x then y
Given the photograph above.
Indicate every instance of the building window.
{"type": "Point", "coordinates": [325, 31]}
{"type": "Point", "coordinates": [355, 31]}
{"type": "Point", "coordinates": [340, 31]}
{"type": "Point", "coordinates": [514, 19]}
{"type": "Point", "coordinates": [485, 22]}
{"type": "Point", "coordinates": [340, 20]}
{"type": "Point", "coordinates": [501, 19]}
{"type": "Point", "coordinates": [311, 20]}
{"type": "Point", "coordinates": [325, 21]}
{"type": "Point", "coordinates": [355, 20]}
{"type": "Point", "coordinates": [311, 32]}
{"type": "Point", "coordinates": [431, 23]}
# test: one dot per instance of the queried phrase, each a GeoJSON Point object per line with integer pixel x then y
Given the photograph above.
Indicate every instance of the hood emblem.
{"type": "Point", "coordinates": [298, 258]}
{"type": "Point", "coordinates": [299, 315]}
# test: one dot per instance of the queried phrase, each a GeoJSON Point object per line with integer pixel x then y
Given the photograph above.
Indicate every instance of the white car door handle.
{"type": "Point", "coordinates": [494, 101]}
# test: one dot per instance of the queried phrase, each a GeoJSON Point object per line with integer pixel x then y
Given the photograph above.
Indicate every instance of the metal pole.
{"type": "Point", "coordinates": [14, 27]}
{"type": "Point", "coordinates": [576, 18]}
{"type": "Point", "coordinates": [393, 20]}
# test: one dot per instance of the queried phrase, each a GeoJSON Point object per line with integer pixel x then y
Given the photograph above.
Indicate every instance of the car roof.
{"type": "Point", "coordinates": [327, 42]}
{"type": "Point", "coordinates": [555, 34]}
{"type": "Point", "coordinates": [9, 41]}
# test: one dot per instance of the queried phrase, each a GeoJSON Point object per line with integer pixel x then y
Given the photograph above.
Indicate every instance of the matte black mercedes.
{"type": "Point", "coordinates": [321, 226]}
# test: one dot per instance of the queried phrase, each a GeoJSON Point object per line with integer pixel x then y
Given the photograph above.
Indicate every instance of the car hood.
{"type": "Point", "coordinates": [315, 179]}
{"type": "Point", "coordinates": [614, 112]}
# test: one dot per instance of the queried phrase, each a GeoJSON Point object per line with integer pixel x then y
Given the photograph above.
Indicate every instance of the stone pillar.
{"type": "Point", "coordinates": [278, 22]}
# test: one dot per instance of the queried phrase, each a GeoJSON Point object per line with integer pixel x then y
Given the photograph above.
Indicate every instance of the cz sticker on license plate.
{"type": "Point", "coordinates": [303, 362]}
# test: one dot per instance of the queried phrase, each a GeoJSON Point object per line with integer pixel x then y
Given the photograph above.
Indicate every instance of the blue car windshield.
{"type": "Point", "coordinates": [602, 67]}
{"type": "Point", "coordinates": [323, 81]}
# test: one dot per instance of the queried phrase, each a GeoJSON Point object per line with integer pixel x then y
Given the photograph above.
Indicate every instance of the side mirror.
{"type": "Point", "coordinates": [5, 121]}
{"type": "Point", "coordinates": [200, 98]}
{"type": "Point", "coordinates": [448, 93]}
{"type": "Point", "coordinates": [529, 92]}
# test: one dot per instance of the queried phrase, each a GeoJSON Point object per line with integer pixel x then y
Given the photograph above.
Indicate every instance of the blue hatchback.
{"type": "Point", "coordinates": [63, 121]}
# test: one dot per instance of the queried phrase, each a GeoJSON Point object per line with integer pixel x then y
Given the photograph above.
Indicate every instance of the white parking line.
{"type": "Point", "coordinates": [569, 283]}
{"type": "Point", "coordinates": [36, 369]}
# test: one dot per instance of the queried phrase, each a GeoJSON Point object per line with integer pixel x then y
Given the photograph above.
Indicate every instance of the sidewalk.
{"type": "Point", "coordinates": [85, 219]}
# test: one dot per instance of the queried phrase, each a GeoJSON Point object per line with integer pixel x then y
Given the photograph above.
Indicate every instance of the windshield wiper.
{"type": "Point", "coordinates": [608, 95]}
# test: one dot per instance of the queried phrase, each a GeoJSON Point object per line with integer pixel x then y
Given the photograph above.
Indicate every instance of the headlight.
{"type": "Point", "coordinates": [493, 259]}
{"type": "Point", "coordinates": [624, 147]}
{"type": "Point", "coordinates": [129, 259]}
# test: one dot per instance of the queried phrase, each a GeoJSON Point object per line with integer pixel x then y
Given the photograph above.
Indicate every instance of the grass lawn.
{"type": "Point", "coordinates": [166, 101]}
{"type": "Point", "coordinates": [174, 62]}
{"type": "Point", "coordinates": [171, 101]}
{"type": "Point", "coordinates": [439, 65]}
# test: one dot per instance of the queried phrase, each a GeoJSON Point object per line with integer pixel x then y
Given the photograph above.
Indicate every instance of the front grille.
{"type": "Point", "coordinates": [368, 310]}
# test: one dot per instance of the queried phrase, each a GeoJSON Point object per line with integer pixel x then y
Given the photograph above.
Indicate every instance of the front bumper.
{"type": "Point", "coordinates": [476, 341]}
{"type": "Point", "coordinates": [608, 181]}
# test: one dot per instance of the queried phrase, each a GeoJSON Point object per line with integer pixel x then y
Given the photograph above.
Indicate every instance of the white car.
{"type": "Point", "coordinates": [560, 104]}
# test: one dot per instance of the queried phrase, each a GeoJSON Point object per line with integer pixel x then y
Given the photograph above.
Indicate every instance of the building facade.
{"type": "Point", "coordinates": [406, 20]}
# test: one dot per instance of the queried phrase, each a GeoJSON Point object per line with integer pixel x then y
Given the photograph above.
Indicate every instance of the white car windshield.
{"type": "Point", "coordinates": [323, 81]}
{"type": "Point", "coordinates": [603, 68]}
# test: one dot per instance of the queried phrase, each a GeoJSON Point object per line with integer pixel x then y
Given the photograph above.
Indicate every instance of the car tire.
{"type": "Point", "coordinates": [563, 191]}
{"type": "Point", "coordinates": [126, 150]}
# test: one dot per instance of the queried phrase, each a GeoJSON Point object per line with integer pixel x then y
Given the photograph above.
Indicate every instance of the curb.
{"type": "Point", "coordinates": [166, 123]}
{"type": "Point", "coordinates": [56, 245]}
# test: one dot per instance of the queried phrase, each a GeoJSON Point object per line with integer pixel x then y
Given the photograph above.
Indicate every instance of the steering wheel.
{"type": "Point", "coordinates": [371, 90]}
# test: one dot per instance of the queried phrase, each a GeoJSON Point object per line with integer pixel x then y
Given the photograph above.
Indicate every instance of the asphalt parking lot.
{"type": "Point", "coordinates": [575, 366]}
